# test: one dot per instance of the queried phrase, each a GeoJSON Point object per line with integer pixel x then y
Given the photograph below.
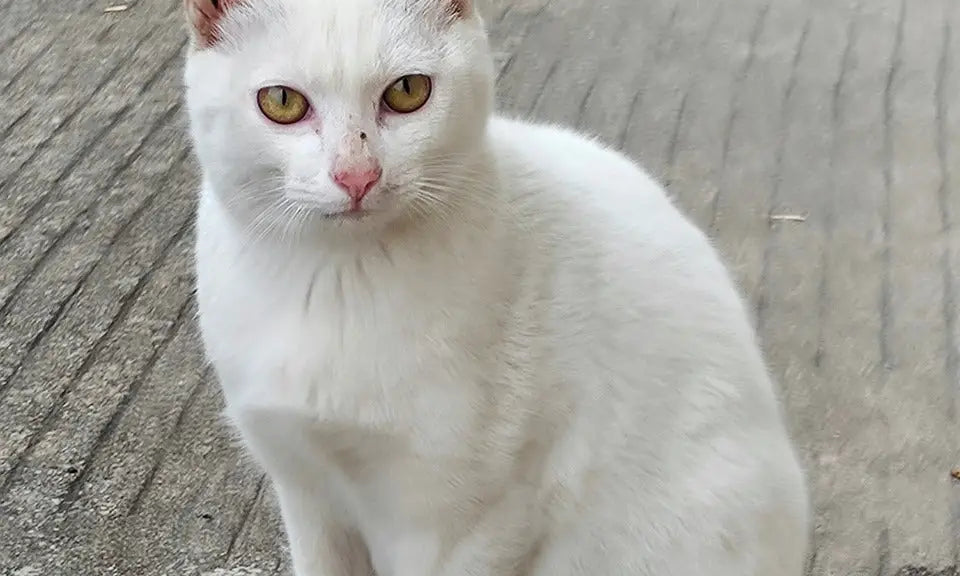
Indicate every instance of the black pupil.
{"type": "Point", "coordinates": [406, 85]}
{"type": "Point", "coordinates": [283, 97]}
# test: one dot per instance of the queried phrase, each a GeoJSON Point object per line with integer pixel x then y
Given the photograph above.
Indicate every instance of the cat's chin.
{"type": "Point", "coordinates": [360, 221]}
{"type": "Point", "coordinates": [352, 215]}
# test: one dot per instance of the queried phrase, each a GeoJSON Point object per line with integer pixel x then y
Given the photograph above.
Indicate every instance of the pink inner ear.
{"type": "Point", "coordinates": [461, 7]}
{"type": "Point", "coordinates": [204, 16]}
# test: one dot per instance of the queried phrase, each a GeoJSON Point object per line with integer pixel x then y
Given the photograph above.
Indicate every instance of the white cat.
{"type": "Point", "coordinates": [458, 344]}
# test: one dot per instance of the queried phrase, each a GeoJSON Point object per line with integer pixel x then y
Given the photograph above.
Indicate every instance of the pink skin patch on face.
{"type": "Point", "coordinates": [357, 182]}
{"type": "Point", "coordinates": [356, 171]}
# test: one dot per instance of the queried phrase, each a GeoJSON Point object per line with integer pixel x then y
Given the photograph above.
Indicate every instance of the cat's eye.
{"type": "Point", "coordinates": [408, 94]}
{"type": "Point", "coordinates": [282, 105]}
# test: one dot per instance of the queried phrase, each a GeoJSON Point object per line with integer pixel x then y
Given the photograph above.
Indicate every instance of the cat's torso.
{"type": "Point", "coordinates": [584, 353]}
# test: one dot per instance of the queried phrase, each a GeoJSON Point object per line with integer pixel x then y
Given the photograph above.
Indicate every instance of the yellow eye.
{"type": "Point", "coordinates": [408, 94]}
{"type": "Point", "coordinates": [282, 105]}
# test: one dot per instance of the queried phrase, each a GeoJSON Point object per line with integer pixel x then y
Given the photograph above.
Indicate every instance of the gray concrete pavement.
{"type": "Point", "coordinates": [817, 140]}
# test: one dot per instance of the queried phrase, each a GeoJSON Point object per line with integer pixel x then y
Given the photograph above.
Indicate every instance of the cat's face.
{"type": "Point", "coordinates": [336, 113]}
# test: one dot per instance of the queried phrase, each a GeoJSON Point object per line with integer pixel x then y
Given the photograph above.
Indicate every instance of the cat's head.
{"type": "Point", "coordinates": [336, 113]}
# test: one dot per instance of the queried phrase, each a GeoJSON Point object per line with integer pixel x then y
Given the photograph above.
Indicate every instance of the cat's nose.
{"type": "Point", "coordinates": [356, 183]}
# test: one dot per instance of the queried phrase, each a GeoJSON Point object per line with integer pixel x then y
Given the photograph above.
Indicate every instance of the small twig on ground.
{"type": "Point", "coordinates": [788, 218]}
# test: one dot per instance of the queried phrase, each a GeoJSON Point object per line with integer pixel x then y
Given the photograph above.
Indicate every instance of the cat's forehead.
{"type": "Point", "coordinates": [343, 39]}
{"type": "Point", "coordinates": [338, 20]}
{"type": "Point", "coordinates": [335, 15]}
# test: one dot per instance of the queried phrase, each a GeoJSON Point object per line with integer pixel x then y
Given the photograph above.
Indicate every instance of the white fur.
{"type": "Point", "coordinates": [524, 361]}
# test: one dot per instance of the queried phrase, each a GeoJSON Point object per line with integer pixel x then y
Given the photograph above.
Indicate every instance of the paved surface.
{"type": "Point", "coordinates": [817, 140]}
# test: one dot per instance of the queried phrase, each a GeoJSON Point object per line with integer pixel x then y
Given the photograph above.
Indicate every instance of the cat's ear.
{"type": "Point", "coordinates": [204, 16]}
{"type": "Point", "coordinates": [460, 8]}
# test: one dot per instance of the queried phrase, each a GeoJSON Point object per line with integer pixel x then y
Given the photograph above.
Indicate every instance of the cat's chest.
{"type": "Point", "coordinates": [334, 358]}
{"type": "Point", "coordinates": [384, 413]}
{"type": "Point", "coordinates": [345, 346]}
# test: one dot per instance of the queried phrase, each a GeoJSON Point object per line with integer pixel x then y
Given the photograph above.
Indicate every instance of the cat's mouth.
{"type": "Point", "coordinates": [380, 204]}
{"type": "Point", "coordinates": [335, 212]}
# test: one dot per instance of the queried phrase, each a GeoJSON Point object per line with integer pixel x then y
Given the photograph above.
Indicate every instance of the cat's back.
{"type": "Point", "coordinates": [536, 157]}
{"type": "Point", "coordinates": [634, 292]}
{"type": "Point", "coordinates": [613, 228]}
{"type": "Point", "coordinates": [656, 343]}
{"type": "Point", "coordinates": [598, 199]}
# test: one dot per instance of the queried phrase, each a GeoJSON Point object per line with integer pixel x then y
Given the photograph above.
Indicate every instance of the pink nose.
{"type": "Point", "coordinates": [356, 183]}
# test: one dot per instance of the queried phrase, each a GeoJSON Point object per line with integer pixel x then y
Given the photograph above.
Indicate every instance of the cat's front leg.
{"type": "Point", "coordinates": [282, 439]}
{"type": "Point", "coordinates": [319, 545]}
